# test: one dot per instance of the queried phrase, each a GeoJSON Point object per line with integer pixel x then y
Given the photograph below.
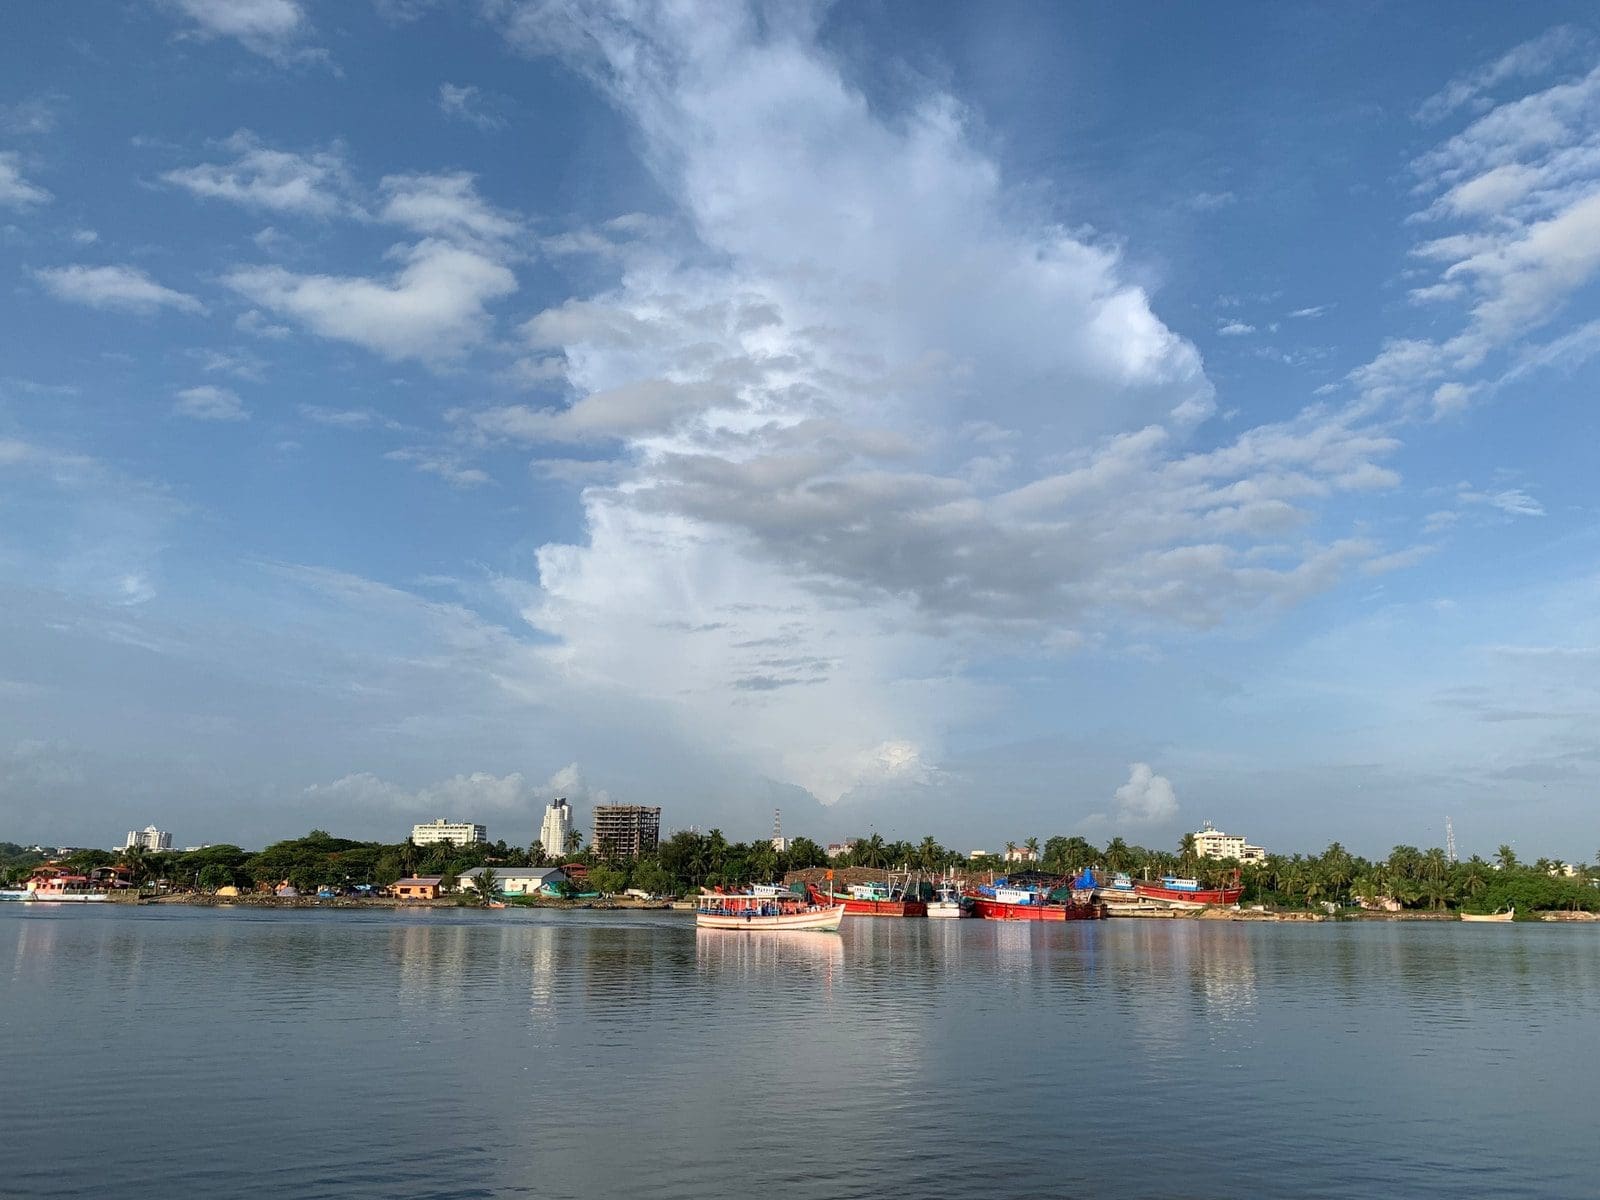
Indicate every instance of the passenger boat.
{"type": "Point", "coordinates": [870, 900]}
{"type": "Point", "coordinates": [949, 902]}
{"type": "Point", "coordinates": [1500, 917]}
{"type": "Point", "coordinates": [1187, 893]}
{"type": "Point", "coordinates": [63, 889]}
{"type": "Point", "coordinates": [1031, 899]}
{"type": "Point", "coordinates": [754, 912]}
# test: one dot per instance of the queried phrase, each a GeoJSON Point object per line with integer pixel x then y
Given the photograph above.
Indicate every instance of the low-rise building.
{"type": "Point", "coordinates": [417, 887]}
{"type": "Point", "coordinates": [1211, 842]}
{"type": "Point", "coordinates": [840, 849]}
{"type": "Point", "coordinates": [1021, 854]}
{"type": "Point", "coordinates": [515, 881]}
{"type": "Point", "coordinates": [455, 833]}
{"type": "Point", "coordinates": [974, 855]}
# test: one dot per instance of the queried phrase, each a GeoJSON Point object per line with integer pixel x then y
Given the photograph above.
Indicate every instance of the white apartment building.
{"type": "Point", "coordinates": [557, 827]}
{"type": "Point", "coordinates": [1211, 842]}
{"type": "Point", "coordinates": [148, 838]}
{"type": "Point", "coordinates": [457, 833]}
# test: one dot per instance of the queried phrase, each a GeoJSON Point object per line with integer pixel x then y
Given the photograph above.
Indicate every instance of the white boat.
{"type": "Point", "coordinates": [755, 912]}
{"type": "Point", "coordinates": [949, 902]}
{"type": "Point", "coordinates": [1500, 917]}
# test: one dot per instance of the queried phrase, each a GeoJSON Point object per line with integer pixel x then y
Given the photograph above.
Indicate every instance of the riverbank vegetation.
{"type": "Point", "coordinates": [1407, 878]}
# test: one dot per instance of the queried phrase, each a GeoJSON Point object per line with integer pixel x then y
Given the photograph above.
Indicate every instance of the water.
{"type": "Point", "coordinates": [451, 1053]}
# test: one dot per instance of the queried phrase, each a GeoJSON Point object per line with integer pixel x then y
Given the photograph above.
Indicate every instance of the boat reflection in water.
{"type": "Point", "coordinates": [802, 961]}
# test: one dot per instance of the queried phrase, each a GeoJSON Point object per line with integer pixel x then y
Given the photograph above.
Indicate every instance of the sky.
{"type": "Point", "coordinates": [985, 421]}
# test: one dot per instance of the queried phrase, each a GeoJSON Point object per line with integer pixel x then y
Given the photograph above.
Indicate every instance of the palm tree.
{"type": "Point", "coordinates": [1118, 856]}
{"type": "Point", "coordinates": [1186, 852]}
{"type": "Point", "coordinates": [1506, 858]}
{"type": "Point", "coordinates": [1011, 848]}
{"type": "Point", "coordinates": [870, 853]}
{"type": "Point", "coordinates": [928, 854]}
{"type": "Point", "coordinates": [487, 884]}
{"type": "Point", "coordinates": [574, 841]}
{"type": "Point", "coordinates": [1033, 847]}
{"type": "Point", "coordinates": [536, 855]}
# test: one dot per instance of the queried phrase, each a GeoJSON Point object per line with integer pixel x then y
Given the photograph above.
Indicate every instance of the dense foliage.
{"type": "Point", "coordinates": [1408, 876]}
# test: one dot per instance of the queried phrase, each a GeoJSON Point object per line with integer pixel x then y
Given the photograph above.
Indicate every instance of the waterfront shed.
{"type": "Point", "coordinates": [417, 887]}
{"type": "Point", "coordinates": [515, 881]}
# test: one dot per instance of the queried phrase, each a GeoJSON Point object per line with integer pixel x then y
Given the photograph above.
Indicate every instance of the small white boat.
{"type": "Point", "coordinates": [1499, 918]}
{"type": "Point", "coordinates": [755, 912]}
{"type": "Point", "coordinates": [949, 902]}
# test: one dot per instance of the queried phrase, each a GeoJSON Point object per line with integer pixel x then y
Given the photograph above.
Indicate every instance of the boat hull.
{"type": "Point", "coordinates": [1183, 898]}
{"type": "Point", "coordinates": [946, 909]}
{"type": "Point", "coordinates": [1001, 910]}
{"type": "Point", "coordinates": [1489, 918]}
{"type": "Point", "coordinates": [872, 908]}
{"type": "Point", "coordinates": [820, 920]}
{"type": "Point", "coordinates": [65, 897]}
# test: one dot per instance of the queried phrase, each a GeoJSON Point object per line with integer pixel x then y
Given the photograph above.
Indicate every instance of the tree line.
{"type": "Point", "coordinates": [1409, 876]}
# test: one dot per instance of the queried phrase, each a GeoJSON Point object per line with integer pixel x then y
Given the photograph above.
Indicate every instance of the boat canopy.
{"type": "Point", "coordinates": [1085, 880]}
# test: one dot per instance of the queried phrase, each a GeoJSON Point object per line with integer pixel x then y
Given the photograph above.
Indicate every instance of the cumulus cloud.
{"type": "Point", "coordinates": [433, 307]}
{"type": "Point", "coordinates": [123, 288]}
{"type": "Point", "coordinates": [260, 177]}
{"type": "Point", "coordinates": [208, 403]}
{"type": "Point", "coordinates": [15, 191]}
{"type": "Point", "coordinates": [1146, 799]}
{"type": "Point", "coordinates": [869, 414]}
{"type": "Point", "coordinates": [445, 206]}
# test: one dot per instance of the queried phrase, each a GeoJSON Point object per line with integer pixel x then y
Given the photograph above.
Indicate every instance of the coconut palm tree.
{"type": "Point", "coordinates": [487, 885]}
{"type": "Point", "coordinates": [1118, 856]}
{"type": "Point", "coordinates": [1033, 847]}
{"type": "Point", "coordinates": [929, 854]}
{"type": "Point", "coordinates": [1187, 849]}
{"type": "Point", "coordinates": [871, 852]}
{"type": "Point", "coordinates": [1506, 858]}
{"type": "Point", "coordinates": [574, 841]}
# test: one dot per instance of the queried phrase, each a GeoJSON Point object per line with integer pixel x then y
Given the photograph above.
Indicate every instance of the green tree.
{"type": "Point", "coordinates": [215, 876]}
{"type": "Point", "coordinates": [1506, 858]}
{"type": "Point", "coordinates": [487, 884]}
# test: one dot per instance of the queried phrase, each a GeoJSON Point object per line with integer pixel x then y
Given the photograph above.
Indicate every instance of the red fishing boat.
{"type": "Point", "coordinates": [870, 900]}
{"type": "Point", "coordinates": [1187, 893]}
{"type": "Point", "coordinates": [1033, 899]}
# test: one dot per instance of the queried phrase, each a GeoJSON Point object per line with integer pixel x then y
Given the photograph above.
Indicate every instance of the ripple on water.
{"type": "Point", "coordinates": [474, 1054]}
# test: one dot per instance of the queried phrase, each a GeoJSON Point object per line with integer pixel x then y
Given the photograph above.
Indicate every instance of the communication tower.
{"type": "Point", "coordinates": [1449, 841]}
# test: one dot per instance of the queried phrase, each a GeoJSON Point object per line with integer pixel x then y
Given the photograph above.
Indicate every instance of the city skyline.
{"type": "Point", "coordinates": [920, 418]}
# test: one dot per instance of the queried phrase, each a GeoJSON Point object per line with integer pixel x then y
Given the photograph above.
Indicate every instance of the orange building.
{"type": "Point", "coordinates": [423, 887]}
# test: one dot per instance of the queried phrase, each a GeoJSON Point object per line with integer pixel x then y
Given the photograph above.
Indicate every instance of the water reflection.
{"type": "Point", "coordinates": [804, 960]}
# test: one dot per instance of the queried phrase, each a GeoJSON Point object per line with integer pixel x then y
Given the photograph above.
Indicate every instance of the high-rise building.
{"type": "Point", "coordinates": [626, 830]}
{"type": "Point", "coordinates": [556, 828]}
{"type": "Point", "coordinates": [457, 833]}
{"type": "Point", "coordinates": [148, 838]}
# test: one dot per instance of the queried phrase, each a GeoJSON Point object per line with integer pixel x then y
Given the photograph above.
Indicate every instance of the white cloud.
{"type": "Point", "coordinates": [1146, 799]}
{"type": "Point", "coordinates": [1235, 329]}
{"type": "Point", "coordinates": [119, 287]}
{"type": "Point", "coordinates": [312, 185]}
{"type": "Point", "coordinates": [1533, 57]}
{"type": "Point", "coordinates": [208, 403]}
{"type": "Point", "coordinates": [1211, 201]}
{"type": "Point", "coordinates": [466, 103]}
{"type": "Point", "coordinates": [777, 371]}
{"type": "Point", "coordinates": [446, 206]}
{"type": "Point", "coordinates": [1315, 310]}
{"type": "Point", "coordinates": [447, 467]}
{"type": "Point", "coordinates": [33, 117]}
{"type": "Point", "coordinates": [1514, 502]}
{"type": "Point", "coordinates": [16, 191]}
{"type": "Point", "coordinates": [274, 29]}
{"type": "Point", "coordinates": [1518, 190]}
{"type": "Point", "coordinates": [433, 307]}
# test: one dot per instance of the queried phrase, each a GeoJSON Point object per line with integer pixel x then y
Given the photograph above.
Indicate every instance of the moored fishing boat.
{"type": "Point", "coordinates": [949, 902]}
{"type": "Point", "coordinates": [1500, 917]}
{"type": "Point", "coordinates": [756, 912]}
{"type": "Point", "coordinates": [871, 900]}
{"type": "Point", "coordinates": [1178, 892]}
{"type": "Point", "coordinates": [1032, 898]}
{"type": "Point", "coordinates": [63, 889]}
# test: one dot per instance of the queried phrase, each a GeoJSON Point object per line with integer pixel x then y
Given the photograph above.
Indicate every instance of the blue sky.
{"type": "Point", "coordinates": [987, 421]}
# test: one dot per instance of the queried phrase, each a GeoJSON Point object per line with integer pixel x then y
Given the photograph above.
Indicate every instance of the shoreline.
{"type": "Point", "coordinates": [628, 904]}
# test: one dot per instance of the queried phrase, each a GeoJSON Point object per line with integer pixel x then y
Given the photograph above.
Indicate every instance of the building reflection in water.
{"type": "Point", "coordinates": [812, 961]}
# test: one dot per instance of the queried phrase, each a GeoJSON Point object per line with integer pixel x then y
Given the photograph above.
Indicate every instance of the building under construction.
{"type": "Point", "coordinates": [625, 830]}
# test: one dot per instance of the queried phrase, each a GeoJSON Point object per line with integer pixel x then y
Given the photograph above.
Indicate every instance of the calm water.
{"type": "Point", "coordinates": [306, 1054]}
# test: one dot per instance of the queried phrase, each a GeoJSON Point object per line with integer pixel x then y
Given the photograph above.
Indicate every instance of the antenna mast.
{"type": "Point", "coordinates": [1449, 841]}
